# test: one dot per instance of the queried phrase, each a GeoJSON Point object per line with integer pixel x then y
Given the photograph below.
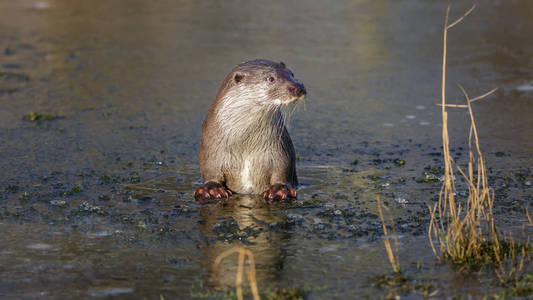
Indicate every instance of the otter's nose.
{"type": "Point", "coordinates": [297, 89]}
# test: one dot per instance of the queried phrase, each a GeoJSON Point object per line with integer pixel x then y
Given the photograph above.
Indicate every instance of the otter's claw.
{"type": "Point", "coordinates": [212, 190]}
{"type": "Point", "coordinates": [279, 192]}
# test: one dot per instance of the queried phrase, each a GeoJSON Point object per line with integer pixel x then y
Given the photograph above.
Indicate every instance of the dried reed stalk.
{"type": "Point", "coordinates": [394, 257]}
{"type": "Point", "coordinates": [529, 217]}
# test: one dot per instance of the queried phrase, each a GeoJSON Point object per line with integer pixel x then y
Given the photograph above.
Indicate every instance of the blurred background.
{"type": "Point", "coordinates": [101, 106]}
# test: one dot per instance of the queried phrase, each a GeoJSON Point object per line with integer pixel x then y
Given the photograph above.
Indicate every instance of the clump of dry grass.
{"type": "Point", "coordinates": [394, 256]}
{"type": "Point", "coordinates": [509, 258]}
{"type": "Point", "coordinates": [458, 230]}
{"type": "Point", "coordinates": [467, 234]}
{"type": "Point", "coordinates": [243, 255]}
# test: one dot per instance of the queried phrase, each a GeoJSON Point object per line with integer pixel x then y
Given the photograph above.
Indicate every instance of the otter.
{"type": "Point", "coordinates": [245, 146]}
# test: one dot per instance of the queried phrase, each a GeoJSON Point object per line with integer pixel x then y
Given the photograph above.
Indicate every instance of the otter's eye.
{"type": "Point", "coordinates": [271, 79]}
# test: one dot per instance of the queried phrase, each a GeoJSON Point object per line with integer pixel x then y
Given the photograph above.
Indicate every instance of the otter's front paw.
{"type": "Point", "coordinates": [211, 190]}
{"type": "Point", "coordinates": [279, 192]}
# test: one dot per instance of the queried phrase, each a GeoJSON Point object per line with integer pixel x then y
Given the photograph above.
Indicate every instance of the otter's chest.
{"type": "Point", "coordinates": [246, 176]}
{"type": "Point", "coordinates": [254, 174]}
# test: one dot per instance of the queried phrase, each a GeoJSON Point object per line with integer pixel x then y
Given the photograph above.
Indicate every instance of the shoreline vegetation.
{"type": "Point", "coordinates": [465, 234]}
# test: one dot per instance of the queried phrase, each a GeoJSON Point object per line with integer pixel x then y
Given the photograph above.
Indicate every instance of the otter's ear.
{"type": "Point", "coordinates": [238, 77]}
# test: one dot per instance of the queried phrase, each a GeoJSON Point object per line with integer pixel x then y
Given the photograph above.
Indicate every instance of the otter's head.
{"type": "Point", "coordinates": [261, 83]}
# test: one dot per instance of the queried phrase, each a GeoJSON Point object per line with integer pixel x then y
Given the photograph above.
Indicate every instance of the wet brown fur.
{"type": "Point", "coordinates": [245, 144]}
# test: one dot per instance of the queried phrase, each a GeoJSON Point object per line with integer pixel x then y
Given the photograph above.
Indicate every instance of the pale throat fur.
{"type": "Point", "coordinates": [251, 126]}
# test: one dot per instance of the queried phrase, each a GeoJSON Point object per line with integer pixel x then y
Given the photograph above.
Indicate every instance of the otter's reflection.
{"type": "Point", "coordinates": [247, 221]}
